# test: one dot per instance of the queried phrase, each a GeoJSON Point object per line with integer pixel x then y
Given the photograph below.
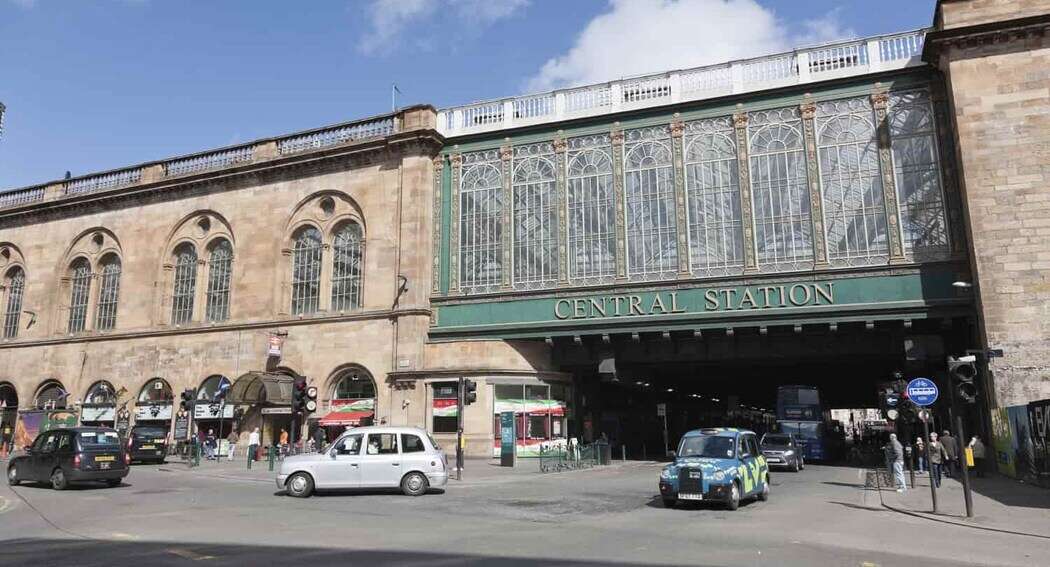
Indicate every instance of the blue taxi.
{"type": "Point", "coordinates": [721, 464]}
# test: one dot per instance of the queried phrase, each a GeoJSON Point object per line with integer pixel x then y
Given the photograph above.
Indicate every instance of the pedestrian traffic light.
{"type": "Point", "coordinates": [470, 392]}
{"type": "Point", "coordinates": [311, 399]}
{"type": "Point", "coordinates": [188, 396]}
{"type": "Point", "coordinates": [963, 372]}
{"type": "Point", "coordinates": [299, 395]}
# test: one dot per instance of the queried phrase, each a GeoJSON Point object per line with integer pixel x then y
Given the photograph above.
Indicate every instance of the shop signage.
{"type": "Point", "coordinates": [97, 413]}
{"type": "Point", "coordinates": [714, 299]}
{"type": "Point", "coordinates": [507, 439]}
{"type": "Point", "coordinates": [210, 410]}
{"type": "Point", "coordinates": [123, 423]}
{"type": "Point", "coordinates": [274, 346]}
{"type": "Point", "coordinates": [182, 425]}
{"type": "Point", "coordinates": [153, 412]}
{"type": "Point", "coordinates": [272, 411]}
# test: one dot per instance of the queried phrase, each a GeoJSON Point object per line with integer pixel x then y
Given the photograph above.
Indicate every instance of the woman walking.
{"type": "Point", "coordinates": [920, 455]}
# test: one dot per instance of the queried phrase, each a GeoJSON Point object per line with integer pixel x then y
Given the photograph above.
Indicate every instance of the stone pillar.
{"type": "Point", "coordinates": [743, 161]}
{"type": "Point", "coordinates": [439, 169]}
{"type": "Point", "coordinates": [949, 170]}
{"type": "Point", "coordinates": [889, 182]}
{"type": "Point", "coordinates": [453, 231]}
{"type": "Point", "coordinates": [200, 287]}
{"type": "Point", "coordinates": [560, 147]}
{"type": "Point", "coordinates": [681, 218]}
{"type": "Point", "coordinates": [816, 201]}
{"type": "Point", "coordinates": [616, 137]}
{"type": "Point", "coordinates": [506, 154]}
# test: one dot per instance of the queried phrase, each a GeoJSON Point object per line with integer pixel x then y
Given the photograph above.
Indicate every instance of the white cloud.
{"type": "Point", "coordinates": [643, 36]}
{"type": "Point", "coordinates": [389, 18]}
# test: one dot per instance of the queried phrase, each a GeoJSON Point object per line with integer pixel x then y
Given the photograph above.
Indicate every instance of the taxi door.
{"type": "Point", "coordinates": [752, 466]}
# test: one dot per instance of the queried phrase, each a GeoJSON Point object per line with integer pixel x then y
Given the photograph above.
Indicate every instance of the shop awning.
{"type": "Point", "coordinates": [259, 387]}
{"type": "Point", "coordinates": [346, 417]}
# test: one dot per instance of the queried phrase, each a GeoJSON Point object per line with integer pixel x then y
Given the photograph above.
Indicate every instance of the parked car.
{"type": "Point", "coordinates": [369, 457]}
{"type": "Point", "coordinates": [147, 443]}
{"type": "Point", "coordinates": [783, 450]}
{"type": "Point", "coordinates": [69, 455]}
{"type": "Point", "coordinates": [719, 464]}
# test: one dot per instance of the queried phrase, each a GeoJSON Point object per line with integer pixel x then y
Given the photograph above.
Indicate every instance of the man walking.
{"type": "Point", "coordinates": [232, 440]}
{"type": "Point", "coordinates": [897, 452]}
{"type": "Point", "coordinates": [979, 453]}
{"type": "Point", "coordinates": [253, 444]}
{"type": "Point", "coordinates": [937, 458]}
{"type": "Point", "coordinates": [951, 453]}
{"type": "Point", "coordinates": [209, 445]}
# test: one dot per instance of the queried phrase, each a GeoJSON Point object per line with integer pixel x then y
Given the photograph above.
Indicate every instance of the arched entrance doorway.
{"type": "Point", "coordinates": [100, 405]}
{"type": "Point", "coordinates": [154, 403]}
{"type": "Point", "coordinates": [8, 416]}
{"type": "Point", "coordinates": [349, 402]}
{"type": "Point", "coordinates": [51, 395]}
{"type": "Point", "coordinates": [211, 411]}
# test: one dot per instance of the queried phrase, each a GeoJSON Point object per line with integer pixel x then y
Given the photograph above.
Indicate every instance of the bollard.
{"type": "Point", "coordinates": [250, 453]}
{"type": "Point", "coordinates": [272, 456]}
{"type": "Point", "coordinates": [623, 453]}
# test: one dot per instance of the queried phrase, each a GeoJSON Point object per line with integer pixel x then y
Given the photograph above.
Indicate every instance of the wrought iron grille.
{"type": "Point", "coordinates": [481, 223]}
{"type": "Point", "coordinates": [306, 272]}
{"type": "Point", "coordinates": [535, 216]}
{"type": "Point", "coordinates": [220, 267]}
{"type": "Point", "coordinates": [851, 183]}
{"type": "Point", "coordinates": [712, 181]}
{"type": "Point", "coordinates": [652, 248]}
{"type": "Point", "coordinates": [108, 293]}
{"type": "Point", "coordinates": [591, 210]}
{"type": "Point", "coordinates": [16, 283]}
{"type": "Point", "coordinates": [346, 268]}
{"type": "Point", "coordinates": [185, 284]}
{"type": "Point", "coordinates": [917, 171]}
{"type": "Point", "coordinates": [80, 290]}
{"type": "Point", "coordinates": [783, 233]}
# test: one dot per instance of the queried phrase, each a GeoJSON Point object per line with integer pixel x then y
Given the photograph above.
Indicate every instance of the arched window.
{"type": "Point", "coordinates": [211, 387]}
{"type": "Point", "coordinates": [156, 391]}
{"type": "Point", "coordinates": [109, 291]}
{"type": "Point", "coordinates": [481, 223]}
{"type": "Point", "coordinates": [851, 183]}
{"type": "Point", "coordinates": [306, 271]}
{"type": "Point", "coordinates": [15, 283]}
{"type": "Point", "coordinates": [716, 237]}
{"type": "Point", "coordinates": [353, 384]}
{"type": "Point", "coordinates": [80, 291]}
{"type": "Point", "coordinates": [220, 264]}
{"type": "Point", "coordinates": [346, 267]}
{"type": "Point", "coordinates": [652, 238]}
{"type": "Point", "coordinates": [591, 210]}
{"type": "Point", "coordinates": [101, 393]}
{"type": "Point", "coordinates": [783, 233]}
{"type": "Point", "coordinates": [51, 395]}
{"type": "Point", "coordinates": [185, 284]}
{"type": "Point", "coordinates": [535, 216]}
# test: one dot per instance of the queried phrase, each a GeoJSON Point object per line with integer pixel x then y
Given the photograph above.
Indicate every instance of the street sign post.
{"type": "Point", "coordinates": [923, 392]}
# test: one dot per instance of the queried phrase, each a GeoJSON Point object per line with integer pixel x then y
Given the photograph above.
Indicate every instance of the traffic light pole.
{"type": "Point", "coordinates": [967, 495]}
{"type": "Point", "coordinates": [459, 431]}
{"type": "Point", "coordinates": [926, 443]}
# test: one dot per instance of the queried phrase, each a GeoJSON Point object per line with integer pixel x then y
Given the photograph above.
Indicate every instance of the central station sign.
{"type": "Point", "coordinates": [713, 299]}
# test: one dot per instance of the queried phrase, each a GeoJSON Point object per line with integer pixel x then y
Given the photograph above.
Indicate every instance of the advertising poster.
{"type": "Point", "coordinates": [33, 423]}
{"type": "Point", "coordinates": [1039, 422]}
{"type": "Point", "coordinates": [1003, 442]}
{"type": "Point", "coordinates": [1023, 449]}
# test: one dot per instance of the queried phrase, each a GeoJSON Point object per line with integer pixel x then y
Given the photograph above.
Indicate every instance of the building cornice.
{"type": "Point", "coordinates": [1000, 32]}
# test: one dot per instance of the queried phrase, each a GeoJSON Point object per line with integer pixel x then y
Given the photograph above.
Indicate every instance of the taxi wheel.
{"type": "Point", "coordinates": [764, 495]}
{"type": "Point", "coordinates": [801, 463]}
{"type": "Point", "coordinates": [669, 502]}
{"type": "Point", "coordinates": [12, 475]}
{"type": "Point", "coordinates": [414, 484]}
{"type": "Point", "coordinates": [734, 496]}
{"type": "Point", "coordinates": [299, 485]}
{"type": "Point", "coordinates": [58, 480]}
{"type": "Point", "coordinates": [795, 467]}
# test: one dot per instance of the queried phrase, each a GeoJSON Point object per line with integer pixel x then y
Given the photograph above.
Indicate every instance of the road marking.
{"type": "Point", "coordinates": [124, 536]}
{"type": "Point", "coordinates": [189, 554]}
{"type": "Point", "coordinates": [869, 564]}
{"type": "Point", "coordinates": [5, 504]}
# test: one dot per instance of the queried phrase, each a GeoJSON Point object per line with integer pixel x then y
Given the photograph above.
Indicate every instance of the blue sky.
{"type": "Point", "coordinates": [98, 84]}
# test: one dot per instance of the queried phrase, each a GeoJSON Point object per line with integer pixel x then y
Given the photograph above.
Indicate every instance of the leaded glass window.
{"type": "Point", "coordinates": [591, 210]}
{"type": "Point", "coordinates": [184, 284]}
{"type": "Point", "coordinates": [851, 183]}
{"type": "Point", "coordinates": [306, 271]}
{"type": "Point", "coordinates": [783, 233]}
{"type": "Point", "coordinates": [917, 172]}
{"type": "Point", "coordinates": [535, 217]}
{"type": "Point", "coordinates": [220, 267]}
{"type": "Point", "coordinates": [80, 292]}
{"type": "Point", "coordinates": [108, 293]}
{"type": "Point", "coordinates": [346, 268]}
{"type": "Point", "coordinates": [16, 283]}
{"type": "Point", "coordinates": [712, 184]}
{"type": "Point", "coordinates": [481, 223]}
{"type": "Point", "coordinates": [652, 238]}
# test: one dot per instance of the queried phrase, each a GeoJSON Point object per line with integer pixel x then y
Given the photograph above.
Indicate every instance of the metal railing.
{"type": "Point", "coordinates": [802, 66]}
{"type": "Point", "coordinates": [573, 457]}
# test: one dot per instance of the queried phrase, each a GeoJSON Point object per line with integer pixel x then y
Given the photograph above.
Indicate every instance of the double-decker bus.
{"type": "Point", "coordinates": [799, 411]}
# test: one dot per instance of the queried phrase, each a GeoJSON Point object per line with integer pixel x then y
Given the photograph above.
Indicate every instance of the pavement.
{"type": "Point", "coordinates": [221, 514]}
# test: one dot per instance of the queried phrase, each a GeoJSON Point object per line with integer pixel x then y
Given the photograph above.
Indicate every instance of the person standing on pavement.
{"type": "Point", "coordinates": [232, 440]}
{"type": "Point", "coordinates": [979, 453]}
{"type": "Point", "coordinates": [283, 442]}
{"type": "Point", "coordinates": [209, 445]}
{"type": "Point", "coordinates": [920, 452]}
{"type": "Point", "coordinates": [253, 444]}
{"type": "Point", "coordinates": [320, 438]}
{"type": "Point", "coordinates": [951, 453]}
{"type": "Point", "coordinates": [897, 453]}
{"type": "Point", "coordinates": [937, 458]}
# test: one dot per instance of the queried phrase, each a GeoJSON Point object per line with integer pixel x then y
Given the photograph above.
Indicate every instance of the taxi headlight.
{"type": "Point", "coordinates": [668, 474]}
{"type": "Point", "coordinates": [719, 476]}
{"type": "Point", "coordinates": [788, 453]}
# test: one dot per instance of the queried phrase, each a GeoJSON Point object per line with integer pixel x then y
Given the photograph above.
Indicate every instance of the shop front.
{"type": "Point", "coordinates": [351, 402]}
{"type": "Point", "coordinates": [99, 407]}
{"type": "Point", "coordinates": [154, 404]}
{"type": "Point", "coordinates": [541, 416]}
{"type": "Point", "coordinates": [211, 412]}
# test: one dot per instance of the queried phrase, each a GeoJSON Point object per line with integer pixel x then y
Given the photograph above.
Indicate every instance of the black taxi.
{"type": "Point", "coordinates": [71, 455]}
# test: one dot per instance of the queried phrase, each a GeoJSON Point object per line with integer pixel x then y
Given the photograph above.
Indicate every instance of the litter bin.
{"type": "Point", "coordinates": [604, 452]}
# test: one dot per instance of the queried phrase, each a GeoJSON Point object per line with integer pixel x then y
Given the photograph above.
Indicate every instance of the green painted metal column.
{"type": "Point", "coordinates": [743, 161]}
{"type": "Point", "coordinates": [889, 185]}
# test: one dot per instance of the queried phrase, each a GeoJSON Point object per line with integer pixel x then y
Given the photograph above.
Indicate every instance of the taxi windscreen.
{"type": "Point", "coordinates": [98, 440]}
{"type": "Point", "coordinates": [711, 447]}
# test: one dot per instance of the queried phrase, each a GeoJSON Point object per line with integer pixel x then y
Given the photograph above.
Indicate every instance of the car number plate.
{"type": "Point", "coordinates": [105, 458]}
{"type": "Point", "coordinates": [104, 466]}
{"type": "Point", "coordinates": [690, 496]}
{"type": "Point", "coordinates": [148, 447]}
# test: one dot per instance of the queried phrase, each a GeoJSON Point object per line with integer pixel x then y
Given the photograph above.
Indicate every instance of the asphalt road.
{"type": "Point", "coordinates": [612, 516]}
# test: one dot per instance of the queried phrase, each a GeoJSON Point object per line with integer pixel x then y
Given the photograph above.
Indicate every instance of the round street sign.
{"type": "Point", "coordinates": [922, 392]}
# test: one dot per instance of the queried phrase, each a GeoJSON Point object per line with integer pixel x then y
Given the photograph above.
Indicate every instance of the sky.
{"type": "Point", "coordinates": [92, 85]}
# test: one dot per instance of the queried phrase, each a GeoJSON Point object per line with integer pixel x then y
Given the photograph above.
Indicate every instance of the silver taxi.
{"type": "Point", "coordinates": [369, 457]}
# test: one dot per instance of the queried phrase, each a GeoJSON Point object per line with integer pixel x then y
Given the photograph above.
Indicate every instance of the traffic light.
{"type": "Point", "coordinates": [963, 371]}
{"type": "Point", "coordinates": [299, 395]}
{"type": "Point", "coordinates": [470, 392]}
{"type": "Point", "coordinates": [187, 402]}
{"type": "Point", "coordinates": [311, 399]}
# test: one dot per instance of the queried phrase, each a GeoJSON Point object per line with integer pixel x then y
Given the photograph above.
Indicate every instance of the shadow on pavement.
{"type": "Point", "coordinates": [99, 552]}
{"type": "Point", "coordinates": [1011, 492]}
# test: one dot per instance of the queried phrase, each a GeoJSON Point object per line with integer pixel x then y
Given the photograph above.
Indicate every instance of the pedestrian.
{"type": "Point", "coordinates": [920, 452]}
{"type": "Point", "coordinates": [897, 452]}
{"type": "Point", "coordinates": [937, 459]}
{"type": "Point", "coordinates": [951, 452]}
{"type": "Point", "coordinates": [979, 453]}
{"type": "Point", "coordinates": [232, 440]}
{"type": "Point", "coordinates": [209, 445]}
{"type": "Point", "coordinates": [283, 442]}
{"type": "Point", "coordinates": [320, 438]}
{"type": "Point", "coordinates": [253, 444]}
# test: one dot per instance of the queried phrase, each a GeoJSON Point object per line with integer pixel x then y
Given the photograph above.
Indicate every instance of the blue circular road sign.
{"type": "Point", "coordinates": [922, 392]}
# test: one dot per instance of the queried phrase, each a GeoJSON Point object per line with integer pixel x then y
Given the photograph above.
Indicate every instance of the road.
{"type": "Point", "coordinates": [609, 516]}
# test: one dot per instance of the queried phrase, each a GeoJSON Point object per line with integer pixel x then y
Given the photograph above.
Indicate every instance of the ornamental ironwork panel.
{"type": "Point", "coordinates": [649, 205]}
{"type": "Point", "coordinates": [917, 170]}
{"type": "Point", "coordinates": [220, 265]}
{"type": "Point", "coordinates": [306, 271]}
{"type": "Point", "coordinates": [481, 223]}
{"type": "Point", "coordinates": [184, 284]}
{"type": "Point", "coordinates": [783, 229]}
{"type": "Point", "coordinates": [108, 294]}
{"type": "Point", "coordinates": [591, 210]}
{"type": "Point", "coordinates": [16, 283]}
{"type": "Point", "coordinates": [80, 291]}
{"type": "Point", "coordinates": [716, 239]}
{"type": "Point", "coordinates": [348, 250]}
{"type": "Point", "coordinates": [851, 183]}
{"type": "Point", "coordinates": [535, 217]}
